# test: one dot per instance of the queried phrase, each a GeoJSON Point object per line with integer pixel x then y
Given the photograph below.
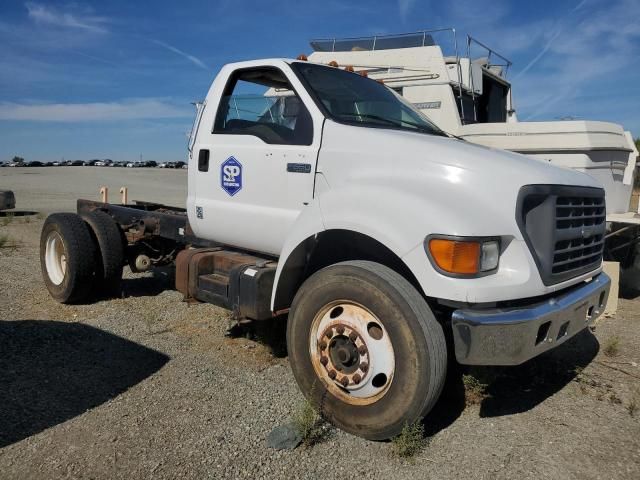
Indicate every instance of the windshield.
{"type": "Point", "coordinates": [351, 98]}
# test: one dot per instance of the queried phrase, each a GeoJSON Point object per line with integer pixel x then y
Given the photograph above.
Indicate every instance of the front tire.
{"type": "Point", "coordinates": [67, 258]}
{"type": "Point", "coordinates": [366, 349]}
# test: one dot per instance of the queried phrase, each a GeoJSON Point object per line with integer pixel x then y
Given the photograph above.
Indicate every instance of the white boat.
{"type": "Point", "coordinates": [468, 95]}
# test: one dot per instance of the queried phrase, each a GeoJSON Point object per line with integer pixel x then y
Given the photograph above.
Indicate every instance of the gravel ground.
{"type": "Point", "coordinates": [147, 386]}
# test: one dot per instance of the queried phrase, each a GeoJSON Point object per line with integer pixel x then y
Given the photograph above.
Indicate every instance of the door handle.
{"type": "Point", "coordinates": [203, 161]}
{"type": "Point", "coordinates": [299, 167]}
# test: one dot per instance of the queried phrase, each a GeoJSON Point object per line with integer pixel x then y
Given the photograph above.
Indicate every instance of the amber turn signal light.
{"type": "Point", "coordinates": [456, 256]}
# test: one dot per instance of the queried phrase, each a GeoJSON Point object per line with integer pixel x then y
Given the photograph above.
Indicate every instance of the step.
{"type": "Point", "coordinates": [214, 283]}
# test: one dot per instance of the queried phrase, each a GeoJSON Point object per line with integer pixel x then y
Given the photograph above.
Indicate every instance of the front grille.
{"type": "Point", "coordinates": [564, 227]}
{"type": "Point", "coordinates": [578, 229]}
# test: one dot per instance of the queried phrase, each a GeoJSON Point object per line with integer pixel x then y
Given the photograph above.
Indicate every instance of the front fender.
{"type": "Point", "coordinates": [398, 220]}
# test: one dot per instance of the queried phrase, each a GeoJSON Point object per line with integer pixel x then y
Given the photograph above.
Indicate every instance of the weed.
{"type": "Point", "coordinates": [4, 240]}
{"type": "Point", "coordinates": [475, 390]}
{"type": "Point", "coordinates": [40, 216]}
{"type": "Point", "coordinates": [310, 425]}
{"type": "Point", "coordinates": [612, 346]}
{"type": "Point", "coordinates": [27, 219]}
{"type": "Point", "coordinates": [410, 441]}
{"type": "Point", "coordinates": [7, 219]}
{"type": "Point", "coordinates": [614, 399]}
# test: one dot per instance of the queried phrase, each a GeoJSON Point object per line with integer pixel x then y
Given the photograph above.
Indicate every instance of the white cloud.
{"type": "Point", "coordinates": [591, 45]}
{"type": "Point", "coordinates": [191, 58]}
{"type": "Point", "coordinates": [46, 15]}
{"type": "Point", "coordinates": [404, 6]}
{"type": "Point", "coordinates": [130, 109]}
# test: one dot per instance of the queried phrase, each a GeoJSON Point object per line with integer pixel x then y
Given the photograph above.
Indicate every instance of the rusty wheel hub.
{"type": "Point", "coordinates": [352, 351]}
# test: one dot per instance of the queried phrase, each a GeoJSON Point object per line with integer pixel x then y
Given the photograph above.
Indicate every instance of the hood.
{"type": "Point", "coordinates": [476, 188]}
{"type": "Point", "coordinates": [419, 154]}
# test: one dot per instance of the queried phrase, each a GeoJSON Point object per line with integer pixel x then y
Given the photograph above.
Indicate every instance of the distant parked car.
{"type": "Point", "coordinates": [131, 165]}
{"type": "Point", "coordinates": [151, 163]}
{"type": "Point", "coordinates": [35, 163]}
{"type": "Point", "coordinates": [99, 163]}
{"type": "Point", "coordinates": [163, 165]}
{"type": "Point", "coordinates": [179, 165]}
{"type": "Point", "coordinates": [185, 166]}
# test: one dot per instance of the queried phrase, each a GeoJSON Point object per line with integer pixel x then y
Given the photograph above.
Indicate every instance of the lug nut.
{"type": "Point", "coordinates": [340, 329]}
{"type": "Point", "coordinates": [362, 350]}
{"type": "Point", "coordinates": [344, 381]}
{"type": "Point", "coordinates": [323, 345]}
{"type": "Point", "coordinates": [353, 336]}
{"type": "Point", "coordinates": [356, 378]}
{"type": "Point", "coordinates": [364, 367]}
{"type": "Point", "coordinates": [332, 374]}
{"type": "Point", "coordinates": [329, 333]}
{"type": "Point", "coordinates": [324, 361]}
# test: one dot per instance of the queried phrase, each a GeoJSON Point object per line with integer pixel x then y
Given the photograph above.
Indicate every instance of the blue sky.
{"type": "Point", "coordinates": [115, 79]}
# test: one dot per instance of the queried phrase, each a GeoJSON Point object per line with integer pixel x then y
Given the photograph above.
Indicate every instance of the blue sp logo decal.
{"type": "Point", "coordinates": [231, 176]}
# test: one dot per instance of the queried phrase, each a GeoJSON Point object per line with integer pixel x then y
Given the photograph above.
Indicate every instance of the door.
{"type": "Point", "coordinates": [260, 165]}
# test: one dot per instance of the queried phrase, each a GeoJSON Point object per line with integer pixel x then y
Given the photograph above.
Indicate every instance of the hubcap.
{"type": "Point", "coordinates": [55, 258]}
{"type": "Point", "coordinates": [352, 352]}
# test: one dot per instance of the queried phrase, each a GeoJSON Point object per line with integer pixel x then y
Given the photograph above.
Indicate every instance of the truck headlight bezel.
{"type": "Point", "coordinates": [463, 257]}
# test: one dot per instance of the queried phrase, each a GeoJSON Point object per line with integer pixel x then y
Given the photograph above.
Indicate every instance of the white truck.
{"type": "Point", "coordinates": [393, 248]}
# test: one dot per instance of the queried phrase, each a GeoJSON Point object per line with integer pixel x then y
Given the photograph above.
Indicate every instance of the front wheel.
{"type": "Point", "coordinates": [366, 349]}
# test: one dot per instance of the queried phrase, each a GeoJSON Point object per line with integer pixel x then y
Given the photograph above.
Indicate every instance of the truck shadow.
{"type": "Point", "coordinates": [519, 389]}
{"type": "Point", "coordinates": [53, 371]}
{"type": "Point", "coordinates": [512, 390]}
{"type": "Point", "coordinates": [150, 284]}
{"type": "Point", "coordinates": [17, 213]}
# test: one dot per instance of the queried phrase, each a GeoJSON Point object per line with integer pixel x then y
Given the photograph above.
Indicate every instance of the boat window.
{"type": "Point", "coordinates": [261, 102]}
{"type": "Point", "coordinates": [490, 107]}
{"type": "Point", "coordinates": [356, 100]}
{"type": "Point", "coordinates": [492, 104]}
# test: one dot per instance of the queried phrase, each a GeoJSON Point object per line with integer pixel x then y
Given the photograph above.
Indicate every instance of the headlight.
{"type": "Point", "coordinates": [489, 255]}
{"type": "Point", "coordinates": [463, 256]}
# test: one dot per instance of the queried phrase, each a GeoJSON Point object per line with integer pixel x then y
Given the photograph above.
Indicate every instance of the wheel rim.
{"type": "Point", "coordinates": [55, 258]}
{"type": "Point", "coordinates": [351, 352]}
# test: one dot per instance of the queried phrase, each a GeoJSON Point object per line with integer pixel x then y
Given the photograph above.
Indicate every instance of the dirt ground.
{"type": "Point", "coordinates": [147, 386]}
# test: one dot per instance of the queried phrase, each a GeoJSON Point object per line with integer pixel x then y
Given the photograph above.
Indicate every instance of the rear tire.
{"type": "Point", "coordinates": [109, 254]}
{"type": "Point", "coordinates": [67, 258]}
{"type": "Point", "coordinates": [366, 349]}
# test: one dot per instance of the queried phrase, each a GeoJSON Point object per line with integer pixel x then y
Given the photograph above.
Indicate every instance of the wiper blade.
{"type": "Point", "coordinates": [372, 117]}
{"type": "Point", "coordinates": [397, 123]}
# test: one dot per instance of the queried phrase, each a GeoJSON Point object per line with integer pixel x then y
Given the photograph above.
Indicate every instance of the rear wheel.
{"type": "Point", "coordinates": [109, 254]}
{"type": "Point", "coordinates": [365, 348]}
{"type": "Point", "coordinates": [67, 257]}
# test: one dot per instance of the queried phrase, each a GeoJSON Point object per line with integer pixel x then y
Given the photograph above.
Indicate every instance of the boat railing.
{"type": "Point", "coordinates": [491, 60]}
{"type": "Point", "coordinates": [421, 38]}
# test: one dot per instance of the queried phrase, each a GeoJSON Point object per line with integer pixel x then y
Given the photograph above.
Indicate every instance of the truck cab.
{"type": "Point", "coordinates": [321, 194]}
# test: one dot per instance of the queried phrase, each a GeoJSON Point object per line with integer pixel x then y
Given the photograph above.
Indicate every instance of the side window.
{"type": "Point", "coordinates": [261, 102]}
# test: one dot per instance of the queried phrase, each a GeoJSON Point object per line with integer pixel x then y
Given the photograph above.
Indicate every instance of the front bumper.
{"type": "Point", "coordinates": [511, 336]}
